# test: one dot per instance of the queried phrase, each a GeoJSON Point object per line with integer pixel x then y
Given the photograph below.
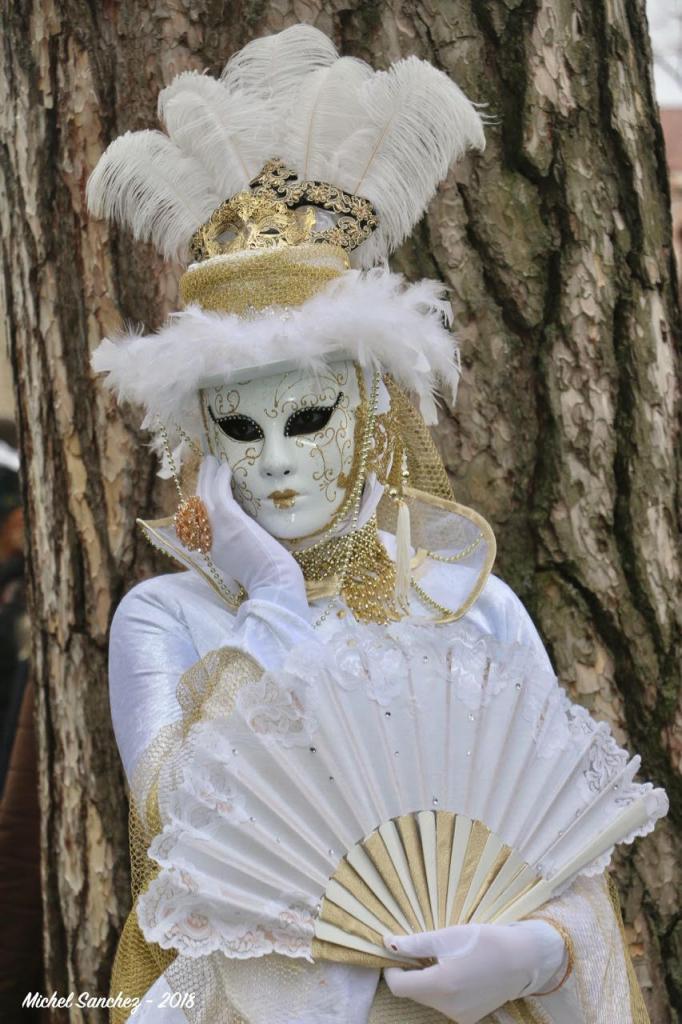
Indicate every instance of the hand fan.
{"type": "Point", "coordinates": [392, 780]}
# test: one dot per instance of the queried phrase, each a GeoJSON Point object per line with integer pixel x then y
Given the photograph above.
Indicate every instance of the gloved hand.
{"type": "Point", "coordinates": [480, 966]}
{"type": "Point", "coordinates": [242, 549]}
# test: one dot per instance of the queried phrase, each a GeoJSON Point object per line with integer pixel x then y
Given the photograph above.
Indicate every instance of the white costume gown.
{"type": "Point", "coordinates": [162, 628]}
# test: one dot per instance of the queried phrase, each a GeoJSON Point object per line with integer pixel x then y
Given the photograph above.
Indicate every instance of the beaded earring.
{"type": "Point", "coordinates": [192, 525]}
{"type": "Point", "coordinates": [191, 522]}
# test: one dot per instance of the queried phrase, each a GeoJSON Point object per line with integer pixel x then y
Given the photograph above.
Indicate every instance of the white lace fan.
{"type": "Point", "coordinates": [390, 782]}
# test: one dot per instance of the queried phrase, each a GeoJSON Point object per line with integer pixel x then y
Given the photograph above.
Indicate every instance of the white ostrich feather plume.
{"type": "Point", "coordinates": [373, 317]}
{"type": "Point", "coordinates": [387, 135]}
{"type": "Point", "coordinates": [326, 111]}
{"type": "Point", "coordinates": [222, 131]}
{"type": "Point", "coordinates": [147, 183]}
{"type": "Point", "coordinates": [271, 68]}
{"type": "Point", "coordinates": [417, 123]}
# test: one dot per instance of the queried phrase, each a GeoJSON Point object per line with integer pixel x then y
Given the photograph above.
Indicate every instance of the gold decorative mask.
{"type": "Point", "coordinates": [248, 221]}
{"type": "Point", "coordinates": [280, 211]}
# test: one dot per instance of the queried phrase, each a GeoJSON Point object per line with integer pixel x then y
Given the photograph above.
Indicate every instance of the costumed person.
{"type": "Point", "coordinates": [346, 747]}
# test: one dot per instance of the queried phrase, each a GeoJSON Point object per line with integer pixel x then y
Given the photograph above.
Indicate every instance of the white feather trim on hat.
{"type": "Point", "coordinates": [374, 318]}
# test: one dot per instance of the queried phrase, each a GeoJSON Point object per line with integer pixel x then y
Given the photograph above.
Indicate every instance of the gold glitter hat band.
{"type": "Point", "coordinates": [252, 280]}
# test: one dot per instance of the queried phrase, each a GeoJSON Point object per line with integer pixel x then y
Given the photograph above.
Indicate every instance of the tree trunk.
{"type": "Point", "coordinates": [557, 247]}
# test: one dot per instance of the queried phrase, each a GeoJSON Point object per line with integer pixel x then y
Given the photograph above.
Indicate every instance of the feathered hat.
{"type": "Point", "coordinates": [283, 187]}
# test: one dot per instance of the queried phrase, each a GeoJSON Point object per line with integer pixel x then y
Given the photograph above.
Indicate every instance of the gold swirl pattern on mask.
{"type": "Point", "coordinates": [226, 404]}
{"type": "Point", "coordinates": [352, 481]}
{"type": "Point", "coordinates": [240, 476]}
{"type": "Point", "coordinates": [334, 445]}
{"type": "Point", "coordinates": [339, 438]}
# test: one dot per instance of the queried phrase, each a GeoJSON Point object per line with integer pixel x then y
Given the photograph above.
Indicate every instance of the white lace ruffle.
{"type": "Point", "coordinates": [196, 930]}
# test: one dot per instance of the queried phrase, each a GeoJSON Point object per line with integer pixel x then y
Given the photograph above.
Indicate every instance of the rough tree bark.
{"type": "Point", "coordinates": [557, 247]}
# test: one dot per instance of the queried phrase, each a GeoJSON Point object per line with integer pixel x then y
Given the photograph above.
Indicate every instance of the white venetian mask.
{"type": "Point", "coordinates": [290, 439]}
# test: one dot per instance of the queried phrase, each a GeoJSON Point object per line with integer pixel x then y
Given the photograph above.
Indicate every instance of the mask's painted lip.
{"type": "Point", "coordinates": [283, 499]}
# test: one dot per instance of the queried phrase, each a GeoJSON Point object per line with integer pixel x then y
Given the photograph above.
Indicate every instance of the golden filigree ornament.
{"type": "Point", "coordinates": [248, 221]}
{"type": "Point", "coordinates": [193, 526]}
{"type": "Point", "coordinates": [279, 211]}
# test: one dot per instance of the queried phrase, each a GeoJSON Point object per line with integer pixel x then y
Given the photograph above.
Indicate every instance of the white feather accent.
{"type": "Point", "coordinates": [268, 72]}
{"type": "Point", "coordinates": [272, 67]}
{"type": "Point", "coordinates": [416, 123]}
{"type": "Point", "coordinates": [374, 318]}
{"type": "Point", "coordinates": [146, 183]}
{"type": "Point", "coordinates": [326, 111]}
{"type": "Point", "coordinates": [222, 130]}
{"type": "Point", "coordinates": [387, 135]}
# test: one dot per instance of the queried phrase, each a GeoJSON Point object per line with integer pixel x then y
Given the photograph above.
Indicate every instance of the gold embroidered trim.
{"type": "Point", "coordinates": [570, 951]}
{"type": "Point", "coordinates": [640, 1014]}
{"type": "Point", "coordinates": [389, 1009]}
{"type": "Point", "coordinates": [521, 1012]}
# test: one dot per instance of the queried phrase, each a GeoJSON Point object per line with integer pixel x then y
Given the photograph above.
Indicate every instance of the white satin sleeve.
{"type": "Point", "coordinates": [597, 991]}
{"type": "Point", "coordinates": [151, 645]}
{"type": "Point", "coordinates": [503, 614]}
{"type": "Point", "coordinates": [496, 611]}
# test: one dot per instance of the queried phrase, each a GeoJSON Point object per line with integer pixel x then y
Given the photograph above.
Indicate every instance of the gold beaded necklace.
{"type": "Point", "coordinates": [360, 570]}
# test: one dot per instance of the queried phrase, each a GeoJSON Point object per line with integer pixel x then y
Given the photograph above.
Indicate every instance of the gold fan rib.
{"type": "Point", "coordinates": [346, 876]}
{"type": "Point", "coordinates": [471, 882]}
{"type": "Point", "coordinates": [323, 950]}
{"type": "Point", "coordinates": [334, 914]}
{"type": "Point", "coordinates": [445, 829]}
{"type": "Point", "coordinates": [409, 835]}
{"type": "Point", "coordinates": [376, 849]}
{"type": "Point", "coordinates": [502, 858]}
{"type": "Point", "coordinates": [475, 846]}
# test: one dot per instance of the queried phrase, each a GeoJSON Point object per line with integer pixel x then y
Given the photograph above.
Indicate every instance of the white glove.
{"type": "Point", "coordinates": [245, 551]}
{"type": "Point", "coordinates": [480, 966]}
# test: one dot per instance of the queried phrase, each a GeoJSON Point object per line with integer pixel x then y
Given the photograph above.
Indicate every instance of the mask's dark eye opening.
{"type": "Point", "coordinates": [238, 426]}
{"type": "Point", "coordinates": [311, 420]}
